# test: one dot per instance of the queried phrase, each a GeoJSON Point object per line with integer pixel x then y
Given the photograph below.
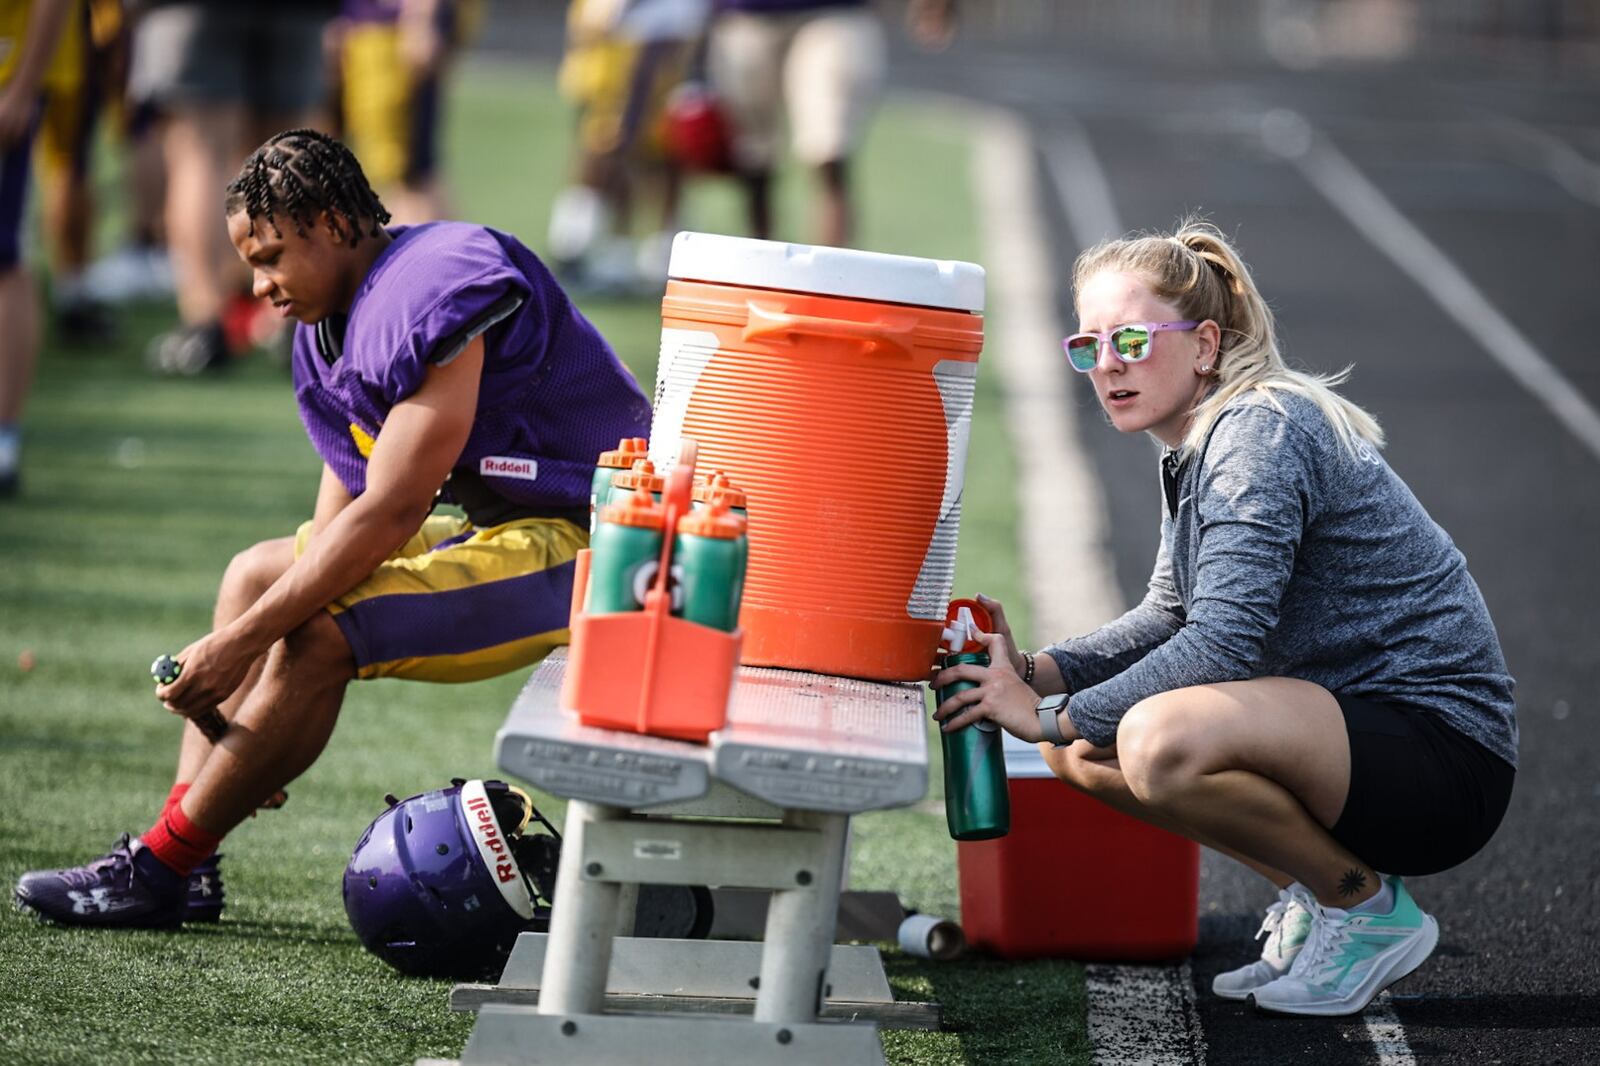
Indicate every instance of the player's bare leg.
{"type": "Point", "coordinates": [279, 730]}
{"type": "Point", "coordinates": [200, 143]}
{"type": "Point", "coordinates": [19, 353]}
{"type": "Point", "coordinates": [835, 223]}
{"type": "Point", "coordinates": [247, 577]}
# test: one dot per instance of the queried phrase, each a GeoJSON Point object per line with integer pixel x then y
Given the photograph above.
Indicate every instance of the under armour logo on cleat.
{"type": "Point", "coordinates": [96, 901]}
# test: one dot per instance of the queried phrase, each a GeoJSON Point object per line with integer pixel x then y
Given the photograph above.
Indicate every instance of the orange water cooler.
{"type": "Point", "coordinates": [1075, 878]}
{"type": "Point", "coordinates": [835, 387]}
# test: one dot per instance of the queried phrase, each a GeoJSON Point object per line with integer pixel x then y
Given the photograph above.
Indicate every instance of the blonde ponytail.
{"type": "Point", "coordinates": [1198, 271]}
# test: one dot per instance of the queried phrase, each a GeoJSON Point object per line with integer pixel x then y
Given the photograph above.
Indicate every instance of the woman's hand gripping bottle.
{"type": "Point", "coordinates": [977, 803]}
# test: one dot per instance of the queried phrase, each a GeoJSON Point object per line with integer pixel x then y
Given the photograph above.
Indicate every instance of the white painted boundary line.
{"type": "Point", "coordinates": [1137, 1014]}
{"type": "Point", "coordinates": [1061, 506]}
{"type": "Point", "coordinates": [1388, 1036]}
{"type": "Point", "coordinates": [1147, 1016]}
{"type": "Point", "coordinates": [1082, 185]}
{"type": "Point", "coordinates": [1372, 215]}
{"type": "Point", "coordinates": [1567, 166]}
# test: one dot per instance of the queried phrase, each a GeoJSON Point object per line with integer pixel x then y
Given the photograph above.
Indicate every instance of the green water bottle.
{"type": "Point", "coordinates": [977, 802]}
{"type": "Point", "coordinates": [642, 474]}
{"type": "Point", "coordinates": [718, 486]}
{"type": "Point", "coordinates": [610, 464]}
{"type": "Point", "coordinates": [708, 560]}
{"type": "Point", "coordinates": [626, 551]}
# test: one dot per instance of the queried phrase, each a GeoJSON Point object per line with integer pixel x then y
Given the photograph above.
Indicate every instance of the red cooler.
{"type": "Point", "coordinates": [1075, 878]}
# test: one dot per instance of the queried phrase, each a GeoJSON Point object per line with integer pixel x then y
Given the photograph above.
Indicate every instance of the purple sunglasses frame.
{"type": "Point", "coordinates": [1105, 338]}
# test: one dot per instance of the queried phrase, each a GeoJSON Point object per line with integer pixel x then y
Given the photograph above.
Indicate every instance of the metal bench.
{"type": "Point", "coordinates": [765, 804]}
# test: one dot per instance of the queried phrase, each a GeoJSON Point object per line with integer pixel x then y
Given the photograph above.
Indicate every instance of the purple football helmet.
{"type": "Point", "coordinates": [441, 884]}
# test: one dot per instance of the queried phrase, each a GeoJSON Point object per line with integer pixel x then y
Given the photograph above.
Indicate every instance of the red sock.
{"type": "Point", "coordinates": [178, 842]}
{"type": "Point", "coordinates": [175, 796]}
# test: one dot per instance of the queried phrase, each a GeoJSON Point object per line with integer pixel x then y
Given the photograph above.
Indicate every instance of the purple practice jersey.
{"type": "Point", "coordinates": [553, 394]}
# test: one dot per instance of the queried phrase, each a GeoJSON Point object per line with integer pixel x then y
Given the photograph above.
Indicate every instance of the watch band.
{"type": "Point", "coordinates": [1051, 728]}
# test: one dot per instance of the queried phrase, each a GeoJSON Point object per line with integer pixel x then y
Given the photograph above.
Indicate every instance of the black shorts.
{"type": "Point", "coordinates": [1423, 797]}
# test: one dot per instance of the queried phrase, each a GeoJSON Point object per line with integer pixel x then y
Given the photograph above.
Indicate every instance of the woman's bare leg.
{"type": "Point", "coordinates": [1258, 769]}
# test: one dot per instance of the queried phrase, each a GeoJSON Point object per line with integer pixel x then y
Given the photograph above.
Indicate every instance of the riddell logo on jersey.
{"type": "Point", "coordinates": [507, 466]}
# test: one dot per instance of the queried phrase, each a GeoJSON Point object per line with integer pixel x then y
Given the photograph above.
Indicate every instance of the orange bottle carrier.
{"type": "Point", "coordinates": [646, 671]}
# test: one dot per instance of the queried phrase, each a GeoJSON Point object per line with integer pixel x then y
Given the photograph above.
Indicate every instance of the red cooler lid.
{"type": "Point", "coordinates": [848, 272]}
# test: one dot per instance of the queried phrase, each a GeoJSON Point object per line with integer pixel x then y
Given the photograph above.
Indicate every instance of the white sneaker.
{"type": "Point", "coordinates": [129, 274]}
{"type": "Point", "coordinates": [1286, 925]}
{"type": "Point", "coordinates": [1349, 958]}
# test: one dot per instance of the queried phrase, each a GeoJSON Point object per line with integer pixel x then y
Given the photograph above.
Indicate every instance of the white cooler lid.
{"type": "Point", "coordinates": [901, 279]}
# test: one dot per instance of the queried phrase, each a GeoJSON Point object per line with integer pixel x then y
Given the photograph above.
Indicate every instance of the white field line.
{"type": "Point", "coordinates": [1372, 215]}
{"type": "Point", "coordinates": [1144, 1016]}
{"type": "Point", "coordinates": [1567, 166]}
{"type": "Point", "coordinates": [1061, 505]}
{"type": "Point", "coordinates": [1081, 185]}
{"type": "Point", "coordinates": [1137, 1014]}
{"type": "Point", "coordinates": [1388, 1036]}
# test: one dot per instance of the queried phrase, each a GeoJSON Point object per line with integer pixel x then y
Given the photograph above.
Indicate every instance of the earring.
{"type": "Point", "coordinates": [1205, 370]}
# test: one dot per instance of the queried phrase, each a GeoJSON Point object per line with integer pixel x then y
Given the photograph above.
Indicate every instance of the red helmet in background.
{"type": "Point", "coordinates": [696, 130]}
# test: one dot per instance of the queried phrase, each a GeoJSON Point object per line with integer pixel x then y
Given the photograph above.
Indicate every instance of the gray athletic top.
{"type": "Point", "coordinates": [1284, 556]}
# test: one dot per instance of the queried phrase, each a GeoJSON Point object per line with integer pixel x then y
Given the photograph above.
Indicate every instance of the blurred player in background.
{"type": "Point", "coordinates": [391, 61]}
{"type": "Point", "coordinates": [431, 362]}
{"type": "Point", "coordinates": [37, 51]}
{"type": "Point", "coordinates": [63, 158]}
{"type": "Point", "coordinates": [823, 63]}
{"type": "Point", "coordinates": [138, 269]}
{"type": "Point", "coordinates": [223, 75]}
{"type": "Point", "coordinates": [623, 58]}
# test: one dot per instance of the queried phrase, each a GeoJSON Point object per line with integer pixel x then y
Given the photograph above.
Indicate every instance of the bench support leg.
{"type": "Point", "coordinates": [800, 925]}
{"type": "Point", "coordinates": [582, 923]}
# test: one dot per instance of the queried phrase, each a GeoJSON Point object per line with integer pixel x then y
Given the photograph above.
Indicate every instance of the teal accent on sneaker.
{"type": "Point", "coordinates": [1349, 958]}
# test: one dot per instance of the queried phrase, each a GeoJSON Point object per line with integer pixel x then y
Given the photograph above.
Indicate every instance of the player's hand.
{"type": "Point", "coordinates": [213, 667]}
{"type": "Point", "coordinates": [1000, 695]}
{"type": "Point", "coordinates": [997, 616]}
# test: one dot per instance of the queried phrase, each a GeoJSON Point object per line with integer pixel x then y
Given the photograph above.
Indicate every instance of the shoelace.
{"type": "Point", "coordinates": [1273, 922]}
{"type": "Point", "coordinates": [1327, 934]}
{"type": "Point", "coordinates": [118, 865]}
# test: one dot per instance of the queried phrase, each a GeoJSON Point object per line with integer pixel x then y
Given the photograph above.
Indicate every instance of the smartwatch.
{"type": "Point", "coordinates": [1048, 709]}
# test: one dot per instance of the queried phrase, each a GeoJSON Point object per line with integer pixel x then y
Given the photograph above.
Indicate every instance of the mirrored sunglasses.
{"type": "Point", "coordinates": [1129, 343]}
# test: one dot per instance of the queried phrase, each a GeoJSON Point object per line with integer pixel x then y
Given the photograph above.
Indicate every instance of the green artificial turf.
{"type": "Point", "coordinates": [137, 492]}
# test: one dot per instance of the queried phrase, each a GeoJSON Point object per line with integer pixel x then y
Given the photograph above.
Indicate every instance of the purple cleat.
{"type": "Point", "coordinates": [206, 897]}
{"type": "Point", "coordinates": [129, 888]}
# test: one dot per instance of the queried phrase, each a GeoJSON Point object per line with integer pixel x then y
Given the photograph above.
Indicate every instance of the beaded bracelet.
{"type": "Point", "coordinates": [1027, 670]}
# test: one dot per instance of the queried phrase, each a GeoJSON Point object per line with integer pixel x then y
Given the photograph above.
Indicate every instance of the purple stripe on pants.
{"type": "Point", "coordinates": [455, 622]}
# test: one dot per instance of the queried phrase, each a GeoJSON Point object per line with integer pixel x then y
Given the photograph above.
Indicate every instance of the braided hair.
{"type": "Point", "coordinates": [299, 173]}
